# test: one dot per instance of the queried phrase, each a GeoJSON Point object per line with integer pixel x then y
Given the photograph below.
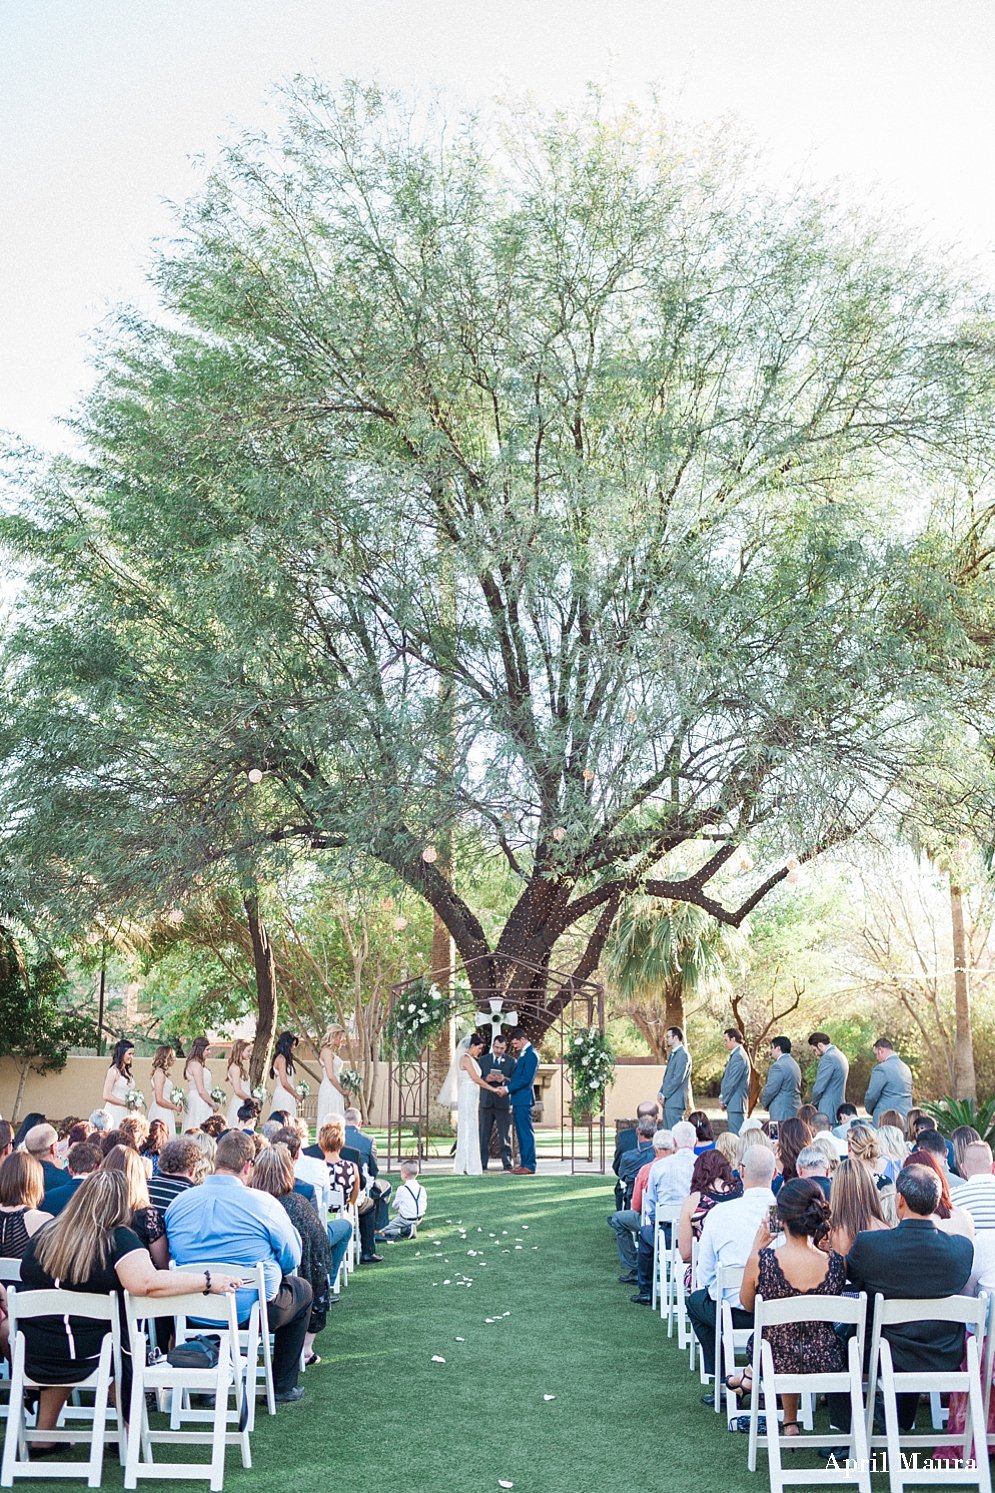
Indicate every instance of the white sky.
{"type": "Point", "coordinates": [102, 102]}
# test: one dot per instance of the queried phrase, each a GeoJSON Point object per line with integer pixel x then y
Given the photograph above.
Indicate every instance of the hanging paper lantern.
{"type": "Point", "coordinates": [587, 774]}
{"type": "Point", "coordinates": [255, 775]}
{"type": "Point", "coordinates": [430, 854]}
{"type": "Point", "coordinates": [631, 717]}
{"type": "Point", "coordinates": [792, 863]}
{"type": "Point", "coordinates": [400, 924]}
{"type": "Point", "coordinates": [745, 861]}
{"type": "Point", "coordinates": [175, 916]}
{"type": "Point", "coordinates": [960, 856]}
{"type": "Point", "coordinates": [793, 877]}
{"type": "Point", "coordinates": [559, 833]}
{"type": "Point", "coordinates": [92, 937]}
{"type": "Point", "coordinates": [963, 843]}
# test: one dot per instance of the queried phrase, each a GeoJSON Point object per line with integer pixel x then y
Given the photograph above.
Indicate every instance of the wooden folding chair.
{"type": "Point", "coordinates": [107, 1423]}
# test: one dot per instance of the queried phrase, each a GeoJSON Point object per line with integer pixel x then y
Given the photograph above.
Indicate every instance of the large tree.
{"type": "Point", "coordinates": [541, 481]}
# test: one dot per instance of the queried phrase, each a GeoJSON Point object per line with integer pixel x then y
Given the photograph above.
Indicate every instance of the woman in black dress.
{"type": "Point", "coordinates": [22, 1184]}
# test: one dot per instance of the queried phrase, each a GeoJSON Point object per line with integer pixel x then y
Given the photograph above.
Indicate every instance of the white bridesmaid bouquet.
{"type": "Point", "coordinates": [302, 1089]}
{"type": "Point", "coordinates": [177, 1096]}
{"type": "Point", "coordinates": [218, 1094]}
{"type": "Point", "coordinates": [135, 1099]}
{"type": "Point", "coordinates": [260, 1093]}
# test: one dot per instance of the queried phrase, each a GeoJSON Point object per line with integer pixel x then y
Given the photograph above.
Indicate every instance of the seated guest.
{"type": "Point", "coordinates": [727, 1238]}
{"type": "Point", "coordinates": [960, 1139]}
{"type": "Point", "coordinates": [949, 1217]}
{"type": "Point", "coordinates": [703, 1130]}
{"type": "Point", "coordinates": [6, 1140]}
{"type": "Point", "coordinates": [666, 1182]}
{"type": "Point", "coordinates": [893, 1117]}
{"type": "Point", "coordinates": [807, 1114]}
{"type": "Point", "coordinates": [891, 1144]}
{"type": "Point", "coordinates": [134, 1130]}
{"type": "Point", "coordinates": [273, 1172]}
{"type": "Point", "coordinates": [728, 1145]}
{"type": "Point", "coordinates": [976, 1194]}
{"type": "Point", "coordinates": [214, 1126]}
{"type": "Point", "coordinates": [248, 1114]}
{"type": "Point", "coordinates": [146, 1220]}
{"type": "Point", "coordinates": [829, 1147]}
{"type": "Point", "coordinates": [157, 1137]}
{"type": "Point", "coordinates": [90, 1247]}
{"type": "Point", "coordinates": [21, 1190]}
{"type": "Point", "coordinates": [309, 1169]}
{"type": "Point", "coordinates": [845, 1113]}
{"type": "Point", "coordinates": [632, 1163]}
{"type": "Point", "coordinates": [206, 1146]}
{"type": "Point", "coordinates": [627, 1139]}
{"type": "Point", "coordinates": [259, 1142]}
{"type": "Point", "coordinates": [712, 1182]}
{"type": "Point", "coordinates": [100, 1120]}
{"type": "Point", "coordinates": [913, 1261]}
{"type": "Point", "coordinates": [83, 1159]}
{"type": "Point", "coordinates": [277, 1117]}
{"type": "Point", "coordinates": [344, 1177]}
{"type": "Point", "coordinates": [82, 1130]}
{"type": "Point", "coordinates": [854, 1205]}
{"type": "Point", "coordinates": [223, 1220]}
{"type": "Point", "coordinates": [366, 1148]}
{"type": "Point", "coordinates": [28, 1123]}
{"type": "Point", "coordinates": [932, 1141]}
{"type": "Point", "coordinates": [792, 1136]}
{"type": "Point", "coordinates": [798, 1268]}
{"type": "Point", "coordinates": [625, 1221]}
{"type": "Point", "coordinates": [42, 1142]}
{"type": "Point", "coordinates": [288, 1136]}
{"type": "Point", "coordinates": [271, 1129]}
{"type": "Point", "coordinates": [178, 1163]}
{"type": "Point", "coordinates": [862, 1145]}
{"type": "Point", "coordinates": [108, 1139]}
{"type": "Point", "coordinates": [812, 1165]}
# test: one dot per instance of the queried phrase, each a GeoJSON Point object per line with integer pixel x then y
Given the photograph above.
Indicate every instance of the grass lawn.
{"type": "Point", "coordinates": [379, 1414]}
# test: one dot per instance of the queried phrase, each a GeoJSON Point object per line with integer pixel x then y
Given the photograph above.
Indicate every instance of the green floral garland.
{"type": "Point", "coordinates": [590, 1058]}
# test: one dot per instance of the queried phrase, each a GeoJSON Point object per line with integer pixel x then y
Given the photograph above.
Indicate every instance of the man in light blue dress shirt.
{"type": "Point", "coordinates": [225, 1220]}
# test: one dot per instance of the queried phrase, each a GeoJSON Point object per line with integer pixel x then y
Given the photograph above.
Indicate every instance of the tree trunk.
{"type": "Point", "coordinates": [440, 1054]}
{"type": "Point", "coordinates": [265, 965]}
{"type": "Point", "coordinates": [16, 1112]}
{"type": "Point", "coordinates": [674, 997]}
{"type": "Point", "coordinates": [965, 1083]}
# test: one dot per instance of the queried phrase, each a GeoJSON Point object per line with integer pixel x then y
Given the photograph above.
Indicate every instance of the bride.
{"type": "Point", "coordinates": [467, 1070]}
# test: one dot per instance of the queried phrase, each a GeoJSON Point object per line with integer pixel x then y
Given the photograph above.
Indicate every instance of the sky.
{"type": "Point", "coordinates": [106, 104]}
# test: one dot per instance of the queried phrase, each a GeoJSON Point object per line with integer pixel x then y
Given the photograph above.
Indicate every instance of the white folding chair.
{"type": "Point", "coordinates": [799, 1309]}
{"type": "Point", "coordinates": [971, 1312]}
{"type": "Point", "coordinates": [666, 1214]}
{"type": "Point", "coordinates": [728, 1339]}
{"type": "Point", "coordinates": [106, 1424]}
{"type": "Point", "coordinates": [256, 1332]}
{"type": "Point", "coordinates": [220, 1316]}
{"type": "Point", "coordinates": [337, 1208]}
{"type": "Point", "coordinates": [10, 1270]}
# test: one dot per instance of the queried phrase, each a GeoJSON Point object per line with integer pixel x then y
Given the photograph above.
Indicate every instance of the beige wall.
{"type": "Point", "coordinates": [77, 1089]}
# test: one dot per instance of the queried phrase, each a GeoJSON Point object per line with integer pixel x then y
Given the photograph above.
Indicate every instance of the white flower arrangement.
{"type": "Point", "coordinates": [417, 1017]}
{"type": "Point", "coordinates": [218, 1094]}
{"type": "Point", "coordinates": [260, 1093]}
{"type": "Point", "coordinates": [302, 1088]}
{"type": "Point", "coordinates": [351, 1081]}
{"type": "Point", "coordinates": [177, 1096]}
{"type": "Point", "coordinates": [135, 1099]}
{"type": "Point", "coordinates": [591, 1061]}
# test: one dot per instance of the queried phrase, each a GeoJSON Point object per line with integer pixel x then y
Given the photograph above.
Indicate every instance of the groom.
{"type": "Point", "coordinates": [520, 1091]}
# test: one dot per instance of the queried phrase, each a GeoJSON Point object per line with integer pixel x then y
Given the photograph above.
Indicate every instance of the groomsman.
{"type": "Point", "coordinates": [675, 1091]}
{"type": "Point", "coordinates": [829, 1089]}
{"type": "Point", "coordinates": [496, 1067]}
{"type": "Point", "coordinates": [734, 1094]}
{"type": "Point", "coordinates": [891, 1083]}
{"type": "Point", "coordinates": [782, 1095]}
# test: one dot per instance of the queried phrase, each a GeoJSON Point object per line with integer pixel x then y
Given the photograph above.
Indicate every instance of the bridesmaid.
{"type": "Point", "coordinates": [283, 1071]}
{"type": "Point", "coordinates": [332, 1098]}
{"type": "Point", "coordinates": [162, 1107]}
{"type": "Point", "coordinates": [238, 1077]}
{"type": "Point", "coordinates": [119, 1081]}
{"type": "Point", "coordinates": [199, 1080]}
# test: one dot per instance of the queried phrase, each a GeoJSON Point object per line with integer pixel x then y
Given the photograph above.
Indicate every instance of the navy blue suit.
{"type": "Point", "coordinates": [522, 1096]}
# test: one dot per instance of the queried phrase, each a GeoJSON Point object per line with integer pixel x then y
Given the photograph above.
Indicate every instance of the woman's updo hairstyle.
{"type": "Point", "coordinates": [802, 1208]}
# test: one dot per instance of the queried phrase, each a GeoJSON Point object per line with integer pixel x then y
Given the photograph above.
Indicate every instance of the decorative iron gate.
{"type": "Point", "coordinates": [409, 1096]}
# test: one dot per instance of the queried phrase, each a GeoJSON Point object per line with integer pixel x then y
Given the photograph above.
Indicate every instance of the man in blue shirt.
{"type": "Point", "coordinates": [225, 1220]}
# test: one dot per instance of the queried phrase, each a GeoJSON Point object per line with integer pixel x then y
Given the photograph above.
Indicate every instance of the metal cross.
{"type": "Point", "coordinates": [496, 1018]}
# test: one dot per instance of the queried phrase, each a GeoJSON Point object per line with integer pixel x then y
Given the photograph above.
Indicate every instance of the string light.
{"type": "Point", "coordinates": [793, 877]}
{"type": "Point", "coordinates": [964, 843]}
{"type": "Point", "coordinates": [631, 717]}
{"type": "Point", "coordinates": [792, 863]}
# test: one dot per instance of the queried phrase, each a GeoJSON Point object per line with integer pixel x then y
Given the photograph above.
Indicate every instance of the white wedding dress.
{"type": "Point", "coordinates": [467, 1161]}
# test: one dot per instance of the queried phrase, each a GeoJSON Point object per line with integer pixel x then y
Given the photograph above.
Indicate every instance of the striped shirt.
{"type": "Point", "coordinates": [977, 1195]}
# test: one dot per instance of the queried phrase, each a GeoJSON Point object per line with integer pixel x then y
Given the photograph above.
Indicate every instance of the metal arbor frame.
{"type": "Point", "coordinates": [408, 1085]}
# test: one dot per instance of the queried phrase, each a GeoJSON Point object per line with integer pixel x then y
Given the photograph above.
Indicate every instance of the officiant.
{"type": "Point", "coordinates": [496, 1067]}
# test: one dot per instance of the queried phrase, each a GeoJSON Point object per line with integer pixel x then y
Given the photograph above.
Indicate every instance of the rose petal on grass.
{"type": "Point", "coordinates": [504, 1483]}
{"type": "Point", "coordinates": [461, 1339]}
{"type": "Point", "coordinates": [437, 1359]}
{"type": "Point", "coordinates": [549, 1397]}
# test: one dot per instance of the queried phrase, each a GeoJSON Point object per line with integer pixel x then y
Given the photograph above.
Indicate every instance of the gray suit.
{"type": "Point", "coordinates": [782, 1095]}
{"type": "Point", "coordinates": [890, 1088]}
{"type": "Point", "coordinates": [675, 1091]}
{"type": "Point", "coordinates": [735, 1090]}
{"type": "Point", "coordinates": [829, 1089]}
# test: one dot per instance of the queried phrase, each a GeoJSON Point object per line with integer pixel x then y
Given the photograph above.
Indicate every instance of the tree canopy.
{"type": "Point", "coordinates": [538, 487]}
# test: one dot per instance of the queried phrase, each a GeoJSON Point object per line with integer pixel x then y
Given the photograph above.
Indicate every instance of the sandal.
{"type": "Point", "coordinates": [784, 1426]}
{"type": "Point", "coordinates": [312, 1361]}
{"type": "Point", "coordinates": [743, 1382]}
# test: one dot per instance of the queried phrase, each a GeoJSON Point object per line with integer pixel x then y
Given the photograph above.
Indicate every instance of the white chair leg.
{"type": "Point", "coordinates": [220, 1420]}
{"type": "Point", "coordinates": [770, 1411]}
{"type": "Point", "coordinates": [976, 1418]}
{"type": "Point", "coordinates": [858, 1429]}
{"type": "Point", "coordinates": [13, 1439]}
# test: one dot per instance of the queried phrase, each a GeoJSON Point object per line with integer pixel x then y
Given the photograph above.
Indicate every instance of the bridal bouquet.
{"type": "Point", "coordinates": [218, 1094]}
{"type": "Point", "coordinates": [351, 1081]}
{"type": "Point", "coordinates": [302, 1088]}
{"type": "Point", "coordinates": [419, 1014]}
{"type": "Point", "coordinates": [591, 1060]}
{"type": "Point", "coordinates": [177, 1096]}
{"type": "Point", "coordinates": [260, 1093]}
{"type": "Point", "coordinates": [135, 1099]}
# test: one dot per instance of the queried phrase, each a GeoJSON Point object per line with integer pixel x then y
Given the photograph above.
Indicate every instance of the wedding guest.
{"type": "Point", "coordinates": [134, 1130]}
{"type": "Point", "coordinates": [712, 1183]}
{"type": "Point", "coordinates": [162, 1107]}
{"type": "Point", "coordinates": [6, 1140]}
{"type": "Point", "coordinates": [90, 1248]}
{"type": "Point", "coordinates": [287, 1136]}
{"type": "Point", "coordinates": [862, 1144]}
{"type": "Point", "coordinates": [891, 1144]}
{"type": "Point", "coordinates": [892, 1117]}
{"type": "Point", "coordinates": [703, 1130]}
{"type": "Point", "coordinates": [890, 1086]}
{"type": "Point", "coordinates": [812, 1165]}
{"type": "Point", "coordinates": [633, 1161]}
{"type": "Point", "coordinates": [178, 1163]}
{"type": "Point", "coordinates": [727, 1238]}
{"type": "Point", "coordinates": [83, 1158]}
{"type": "Point", "coordinates": [976, 1194]}
{"type": "Point", "coordinates": [831, 1074]}
{"type": "Point", "coordinates": [111, 1138]}
{"type": "Point", "coordinates": [223, 1220]}
{"type": "Point", "coordinates": [829, 1147]}
{"type": "Point", "coordinates": [363, 1149]}
{"type": "Point", "coordinates": [624, 1222]}
{"type": "Point", "coordinates": [259, 1142]}
{"type": "Point", "coordinates": [912, 1119]}
{"type": "Point", "coordinates": [844, 1114]}
{"type": "Point", "coordinates": [248, 1114]}
{"type": "Point", "coordinates": [807, 1113]}
{"type": "Point", "coordinates": [42, 1143]}
{"type": "Point", "coordinates": [100, 1120]}
{"type": "Point", "coordinates": [343, 1176]}
{"type": "Point", "coordinates": [158, 1136]}
{"type": "Point", "coordinates": [307, 1169]}
{"type": "Point", "coordinates": [932, 1141]}
{"type": "Point", "coordinates": [728, 1145]}
{"type": "Point", "coordinates": [949, 1217]}
{"type": "Point", "coordinates": [214, 1126]}
{"type": "Point", "coordinates": [798, 1268]}
{"type": "Point", "coordinates": [628, 1139]}
{"type": "Point", "coordinates": [792, 1136]}
{"type": "Point", "coordinates": [913, 1261]}
{"type": "Point", "coordinates": [783, 1090]}
{"type": "Point", "coordinates": [854, 1205]}
{"type": "Point", "coordinates": [273, 1173]}
{"type": "Point", "coordinates": [669, 1181]}
{"type": "Point", "coordinates": [206, 1145]}
{"type": "Point", "coordinates": [734, 1093]}
{"type": "Point", "coordinates": [960, 1139]}
{"type": "Point", "coordinates": [81, 1131]}
{"type": "Point", "coordinates": [118, 1081]}
{"type": "Point", "coordinates": [21, 1215]}
{"type": "Point", "coordinates": [146, 1219]}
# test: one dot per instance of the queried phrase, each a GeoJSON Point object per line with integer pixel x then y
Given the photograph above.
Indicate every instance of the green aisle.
{"type": "Point", "coordinates": [380, 1414]}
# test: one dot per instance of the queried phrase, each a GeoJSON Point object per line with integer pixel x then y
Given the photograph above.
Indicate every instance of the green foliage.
{"type": "Point", "coordinates": [950, 1113]}
{"type": "Point", "coordinates": [38, 1024]}
{"type": "Point", "coordinates": [590, 1059]}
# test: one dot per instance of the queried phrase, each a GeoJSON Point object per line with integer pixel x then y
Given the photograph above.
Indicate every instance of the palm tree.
{"type": "Point", "coordinates": [658, 955]}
